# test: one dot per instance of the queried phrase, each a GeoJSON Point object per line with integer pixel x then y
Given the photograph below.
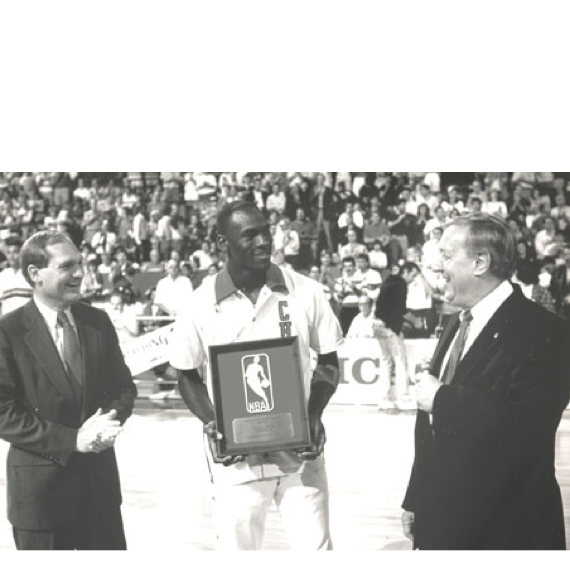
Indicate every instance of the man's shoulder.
{"type": "Point", "coordinates": [13, 320]}
{"type": "Point", "coordinates": [528, 322]}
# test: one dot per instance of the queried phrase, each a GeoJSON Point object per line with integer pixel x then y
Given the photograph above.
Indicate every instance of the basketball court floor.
{"type": "Point", "coordinates": [166, 489]}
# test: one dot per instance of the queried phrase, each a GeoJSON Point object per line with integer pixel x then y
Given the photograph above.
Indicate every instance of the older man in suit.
{"type": "Point", "coordinates": [65, 391]}
{"type": "Point", "coordinates": [489, 407]}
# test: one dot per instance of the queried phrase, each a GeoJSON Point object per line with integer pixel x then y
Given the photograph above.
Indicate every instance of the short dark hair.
{"type": "Point", "coordinates": [228, 210]}
{"type": "Point", "coordinates": [349, 259]}
{"type": "Point", "coordinates": [410, 266]}
{"type": "Point", "coordinates": [34, 250]}
{"type": "Point", "coordinates": [491, 234]}
{"type": "Point", "coordinates": [364, 256]}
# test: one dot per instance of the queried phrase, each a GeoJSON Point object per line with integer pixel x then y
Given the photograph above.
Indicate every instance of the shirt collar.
{"type": "Point", "coordinates": [225, 286]}
{"type": "Point", "coordinates": [50, 315]}
{"type": "Point", "coordinates": [487, 306]}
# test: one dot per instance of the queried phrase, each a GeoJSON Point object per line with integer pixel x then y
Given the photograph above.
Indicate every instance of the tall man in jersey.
{"type": "Point", "coordinates": [252, 299]}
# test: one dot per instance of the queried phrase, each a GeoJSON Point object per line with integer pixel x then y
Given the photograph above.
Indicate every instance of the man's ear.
{"type": "Point", "coordinates": [34, 274]}
{"type": "Point", "coordinates": [482, 263]}
{"type": "Point", "coordinates": [222, 242]}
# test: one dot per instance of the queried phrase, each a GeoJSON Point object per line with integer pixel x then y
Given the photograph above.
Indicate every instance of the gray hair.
{"type": "Point", "coordinates": [34, 250]}
{"type": "Point", "coordinates": [487, 233]}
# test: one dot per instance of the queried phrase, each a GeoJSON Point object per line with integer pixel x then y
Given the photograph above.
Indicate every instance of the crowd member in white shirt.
{"type": "Point", "coordinates": [495, 206]}
{"type": "Point", "coordinates": [287, 240]}
{"type": "Point", "coordinates": [367, 280]}
{"type": "Point", "coordinates": [545, 237]}
{"type": "Point", "coordinates": [15, 291]}
{"type": "Point", "coordinates": [276, 201]}
{"type": "Point", "coordinates": [104, 240]}
{"type": "Point", "coordinates": [438, 221]}
{"type": "Point", "coordinates": [361, 325]}
{"type": "Point", "coordinates": [172, 291]}
{"type": "Point", "coordinates": [201, 258]}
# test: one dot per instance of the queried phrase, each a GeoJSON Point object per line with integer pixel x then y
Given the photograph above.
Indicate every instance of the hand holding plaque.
{"type": "Point", "coordinates": [214, 436]}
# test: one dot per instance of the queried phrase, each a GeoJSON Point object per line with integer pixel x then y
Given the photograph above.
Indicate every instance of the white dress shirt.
{"type": "Point", "coordinates": [50, 318]}
{"type": "Point", "coordinates": [481, 313]}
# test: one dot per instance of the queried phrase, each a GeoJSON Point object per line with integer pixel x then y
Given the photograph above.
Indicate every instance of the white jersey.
{"type": "Point", "coordinates": [289, 304]}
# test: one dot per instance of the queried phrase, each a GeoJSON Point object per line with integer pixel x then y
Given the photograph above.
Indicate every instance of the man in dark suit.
{"type": "Point", "coordinates": [489, 407]}
{"type": "Point", "coordinates": [65, 391]}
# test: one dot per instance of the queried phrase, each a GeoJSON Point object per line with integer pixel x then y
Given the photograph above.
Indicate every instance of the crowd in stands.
{"type": "Point", "coordinates": [150, 238]}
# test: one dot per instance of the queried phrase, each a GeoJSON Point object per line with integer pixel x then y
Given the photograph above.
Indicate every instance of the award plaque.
{"type": "Point", "coordinates": [259, 396]}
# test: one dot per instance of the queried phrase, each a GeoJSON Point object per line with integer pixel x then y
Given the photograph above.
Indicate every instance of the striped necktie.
{"type": "Point", "coordinates": [71, 351]}
{"type": "Point", "coordinates": [465, 318]}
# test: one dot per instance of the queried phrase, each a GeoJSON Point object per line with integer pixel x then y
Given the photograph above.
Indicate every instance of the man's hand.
{"type": "Point", "coordinates": [426, 389]}
{"type": "Point", "coordinates": [210, 429]}
{"type": "Point", "coordinates": [318, 438]}
{"type": "Point", "coordinates": [98, 432]}
{"type": "Point", "coordinates": [408, 524]}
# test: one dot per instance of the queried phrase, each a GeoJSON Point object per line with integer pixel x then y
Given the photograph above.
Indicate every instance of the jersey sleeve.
{"type": "Point", "coordinates": [325, 334]}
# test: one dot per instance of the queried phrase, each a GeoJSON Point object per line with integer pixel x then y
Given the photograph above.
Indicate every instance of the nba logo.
{"type": "Point", "coordinates": [257, 383]}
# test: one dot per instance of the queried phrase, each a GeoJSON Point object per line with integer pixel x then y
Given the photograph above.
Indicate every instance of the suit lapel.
{"type": "Point", "coordinates": [443, 344]}
{"type": "Point", "coordinates": [41, 345]}
{"type": "Point", "coordinates": [487, 338]}
{"type": "Point", "coordinates": [89, 341]}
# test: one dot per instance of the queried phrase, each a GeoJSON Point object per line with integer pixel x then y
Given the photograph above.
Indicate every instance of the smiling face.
{"type": "Point", "coordinates": [459, 268]}
{"type": "Point", "coordinates": [58, 284]}
{"type": "Point", "coordinates": [248, 240]}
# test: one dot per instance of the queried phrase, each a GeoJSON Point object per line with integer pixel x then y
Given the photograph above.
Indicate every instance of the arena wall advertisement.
{"type": "Point", "coordinates": [359, 361]}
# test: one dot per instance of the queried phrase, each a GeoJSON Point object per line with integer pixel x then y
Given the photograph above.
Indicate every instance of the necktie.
{"type": "Point", "coordinates": [465, 319]}
{"type": "Point", "coordinates": [71, 350]}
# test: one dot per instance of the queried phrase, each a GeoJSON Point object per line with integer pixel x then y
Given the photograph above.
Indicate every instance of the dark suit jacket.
{"type": "Point", "coordinates": [40, 414]}
{"type": "Point", "coordinates": [560, 288]}
{"type": "Point", "coordinates": [483, 477]}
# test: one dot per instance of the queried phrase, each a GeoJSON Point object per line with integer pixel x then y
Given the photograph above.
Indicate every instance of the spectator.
{"type": "Point", "coordinates": [278, 258]}
{"type": "Point", "coordinates": [361, 326]}
{"type": "Point", "coordinates": [352, 248]}
{"type": "Point", "coordinates": [430, 249]}
{"type": "Point", "coordinates": [287, 239]}
{"type": "Point", "coordinates": [202, 258]}
{"type": "Point", "coordinates": [403, 225]}
{"type": "Point", "coordinates": [420, 316]}
{"type": "Point", "coordinates": [104, 241]}
{"type": "Point", "coordinates": [308, 238]}
{"type": "Point", "coordinates": [92, 283]}
{"type": "Point", "coordinates": [378, 258]}
{"type": "Point", "coordinates": [329, 271]}
{"type": "Point", "coordinates": [141, 235]}
{"type": "Point", "coordinates": [438, 220]}
{"type": "Point", "coordinates": [350, 218]}
{"type": "Point", "coordinates": [346, 293]}
{"type": "Point", "coordinates": [368, 280]}
{"type": "Point", "coordinates": [276, 201]}
{"type": "Point", "coordinates": [154, 265]}
{"type": "Point", "coordinates": [545, 237]}
{"type": "Point", "coordinates": [173, 290]}
{"type": "Point", "coordinates": [15, 291]}
{"type": "Point", "coordinates": [495, 206]}
{"type": "Point", "coordinates": [389, 313]}
{"type": "Point", "coordinates": [322, 201]}
{"type": "Point", "coordinates": [315, 274]}
{"type": "Point", "coordinates": [123, 316]}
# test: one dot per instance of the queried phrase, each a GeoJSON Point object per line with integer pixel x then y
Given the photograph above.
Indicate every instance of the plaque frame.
{"type": "Point", "coordinates": [250, 421]}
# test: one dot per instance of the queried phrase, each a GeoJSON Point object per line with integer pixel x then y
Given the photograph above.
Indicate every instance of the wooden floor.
{"type": "Point", "coordinates": [167, 495]}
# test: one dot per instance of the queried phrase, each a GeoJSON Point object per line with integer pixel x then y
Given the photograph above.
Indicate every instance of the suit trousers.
{"type": "Point", "coordinates": [92, 528]}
